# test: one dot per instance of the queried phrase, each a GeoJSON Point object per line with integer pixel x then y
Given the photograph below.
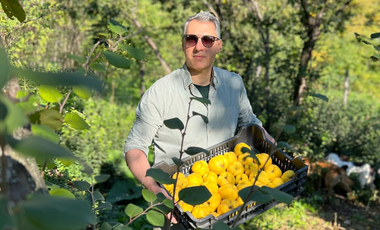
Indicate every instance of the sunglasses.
{"type": "Point", "coordinates": [207, 40]}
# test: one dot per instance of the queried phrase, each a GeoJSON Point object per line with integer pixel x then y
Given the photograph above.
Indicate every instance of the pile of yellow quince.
{"type": "Point", "coordinates": [224, 176]}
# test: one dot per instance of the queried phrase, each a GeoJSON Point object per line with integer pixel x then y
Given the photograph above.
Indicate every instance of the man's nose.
{"type": "Point", "coordinates": [199, 45]}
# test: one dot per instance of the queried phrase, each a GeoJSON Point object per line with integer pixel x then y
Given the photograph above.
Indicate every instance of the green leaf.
{"type": "Point", "coordinates": [160, 176]}
{"type": "Point", "coordinates": [168, 203]}
{"type": "Point", "coordinates": [75, 121]}
{"type": "Point", "coordinates": [374, 58]}
{"type": "Point", "coordinates": [49, 117]}
{"type": "Point", "coordinates": [77, 58]}
{"type": "Point", "coordinates": [82, 185]}
{"type": "Point", "coordinates": [61, 192]}
{"type": "Point", "coordinates": [174, 123]}
{"type": "Point", "coordinates": [50, 185]}
{"type": "Point", "coordinates": [203, 100]}
{"type": "Point", "coordinates": [104, 206]}
{"type": "Point", "coordinates": [122, 227]}
{"type": "Point", "coordinates": [138, 54]}
{"type": "Point", "coordinates": [116, 27]}
{"type": "Point", "coordinates": [102, 178]}
{"type": "Point", "coordinates": [82, 92]}
{"type": "Point", "coordinates": [287, 128]}
{"type": "Point", "coordinates": [375, 35]}
{"type": "Point", "coordinates": [5, 218]}
{"type": "Point", "coordinates": [117, 60]}
{"type": "Point", "coordinates": [45, 132]}
{"type": "Point", "coordinates": [98, 67]}
{"type": "Point", "coordinates": [98, 196]}
{"type": "Point", "coordinates": [205, 119]}
{"type": "Point", "coordinates": [106, 226]}
{"type": "Point", "coordinates": [155, 218]}
{"type": "Point", "coordinates": [13, 8]}
{"type": "Point", "coordinates": [66, 161]}
{"type": "Point", "coordinates": [279, 195]}
{"type": "Point", "coordinates": [122, 190]}
{"type": "Point", "coordinates": [194, 195]}
{"type": "Point", "coordinates": [257, 195]}
{"type": "Point", "coordinates": [177, 161]}
{"type": "Point", "coordinates": [50, 212]}
{"type": "Point", "coordinates": [14, 118]}
{"type": "Point", "coordinates": [5, 68]}
{"type": "Point", "coordinates": [132, 210]}
{"type": "Point", "coordinates": [148, 195]}
{"type": "Point", "coordinates": [221, 226]}
{"type": "Point", "coordinates": [57, 79]}
{"type": "Point", "coordinates": [41, 149]}
{"type": "Point", "coordinates": [195, 150]}
{"type": "Point", "coordinates": [320, 96]}
{"type": "Point", "coordinates": [283, 144]}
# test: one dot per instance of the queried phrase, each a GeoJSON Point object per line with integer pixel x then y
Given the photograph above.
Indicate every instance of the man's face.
{"type": "Point", "coordinates": [200, 58]}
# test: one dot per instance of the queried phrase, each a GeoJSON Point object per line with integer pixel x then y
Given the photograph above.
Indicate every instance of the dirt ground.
{"type": "Point", "coordinates": [345, 214]}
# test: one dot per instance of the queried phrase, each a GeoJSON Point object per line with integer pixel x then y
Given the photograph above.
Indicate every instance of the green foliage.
{"type": "Point", "coordinates": [110, 124]}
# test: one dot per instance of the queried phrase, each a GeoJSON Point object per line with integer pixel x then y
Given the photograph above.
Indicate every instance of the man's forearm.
{"type": "Point", "coordinates": [138, 164]}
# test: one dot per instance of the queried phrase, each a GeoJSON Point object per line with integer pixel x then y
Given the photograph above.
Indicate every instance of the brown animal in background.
{"type": "Point", "coordinates": [332, 174]}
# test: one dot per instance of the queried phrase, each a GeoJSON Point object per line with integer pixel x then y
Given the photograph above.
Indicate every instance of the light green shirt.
{"type": "Point", "coordinates": [169, 97]}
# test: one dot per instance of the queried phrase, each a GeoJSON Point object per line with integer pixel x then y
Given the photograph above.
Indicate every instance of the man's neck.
{"type": "Point", "coordinates": [201, 78]}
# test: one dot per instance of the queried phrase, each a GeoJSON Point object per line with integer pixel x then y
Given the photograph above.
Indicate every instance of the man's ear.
{"type": "Point", "coordinates": [220, 45]}
{"type": "Point", "coordinates": [183, 46]}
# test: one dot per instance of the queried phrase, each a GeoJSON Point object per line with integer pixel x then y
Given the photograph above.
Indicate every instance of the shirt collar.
{"type": "Point", "coordinates": [187, 77]}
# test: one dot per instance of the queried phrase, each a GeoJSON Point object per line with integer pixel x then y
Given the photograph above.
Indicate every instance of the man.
{"type": "Point", "coordinates": [169, 97]}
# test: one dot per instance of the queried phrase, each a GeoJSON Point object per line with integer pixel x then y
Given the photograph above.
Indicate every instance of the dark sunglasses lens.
{"type": "Point", "coordinates": [207, 41]}
{"type": "Point", "coordinates": [191, 40]}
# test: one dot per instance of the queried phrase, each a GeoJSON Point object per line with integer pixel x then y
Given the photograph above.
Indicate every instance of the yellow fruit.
{"type": "Point", "coordinates": [239, 201]}
{"type": "Point", "coordinates": [276, 182]}
{"type": "Point", "coordinates": [226, 205]}
{"type": "Point", "coordinates": [211, 186]}
{"type": "Point", "coordinates": [169, 188]}
{"type": "Point", "coordinates": [194, 179]}
{"type": "Point", "coordinates": [243, 184]}
{"type": "Point", "coordinates": [200, 211]}
{"type": "Point", "coordinates": [287, 175]}
{"type": "Point", "coordinates": [238, 148]}
{"type": "Point", "coordinates": [200, 167]}
{"type": "Point", "coordinates": [185, 206]}
{"type": "Point", "coordinates": [235, 168]}
{"type": "Point", "coordinates": [218, 164]}
{"type": "Point", "coordinates": [210, 176]}
{"type": "Point", "coordinates": [226, 178]}
{"type": "Point", "coordinates": [251, 168]}
{"type": "Point", "coordinates": [228, 191]}
{"type": "Point", "coordinates": [182, 182]}
{"type": "Point", "coordinates": [213, 202]}
{"type": "Point", "coordinates": [273, 171]}
{"type": "Point", "coordinates": [258, 183]}
{"type": "Point", "coordinates": [240, 178]}
{"type": "Point", "coordinates": [175, 196]}
{"type": "Point", "coordinates": [230, 156]}
{"type": "Point", "coordinates": [180, 175]}
{"type": "Point", "coordinates": [264, 178]}
{"type": "Point", "coordinates": [262, 159]}
{"type": "Point", "coordinates": [245, 158]}
{"type": "Point", "coordinates": [215, 214]}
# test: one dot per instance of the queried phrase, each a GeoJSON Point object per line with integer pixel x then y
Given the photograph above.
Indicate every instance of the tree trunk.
{"type": "Point", "coordinates": [346, 88]}
{"type": "Point", "coordinates": [19, 175]}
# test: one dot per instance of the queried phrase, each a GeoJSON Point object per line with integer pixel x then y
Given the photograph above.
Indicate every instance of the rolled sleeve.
{"type": "Point", "coordinates": [148, 120]}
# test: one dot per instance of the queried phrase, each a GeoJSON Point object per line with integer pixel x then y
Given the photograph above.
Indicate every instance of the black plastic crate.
{"type": "Point", "coordinates": [254, 137]}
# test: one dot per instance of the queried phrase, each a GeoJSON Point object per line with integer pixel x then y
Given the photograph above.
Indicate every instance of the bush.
{"type": "Point", "coordinates": [104, 141]}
